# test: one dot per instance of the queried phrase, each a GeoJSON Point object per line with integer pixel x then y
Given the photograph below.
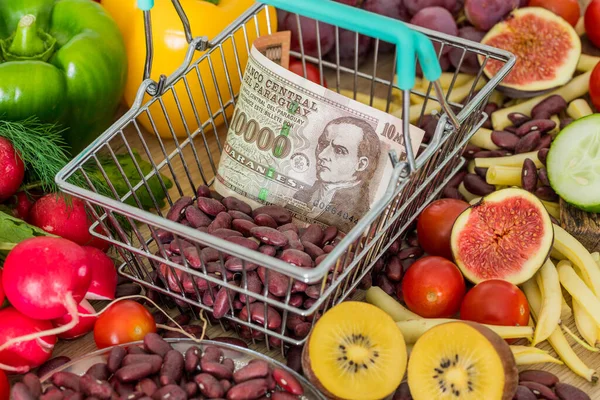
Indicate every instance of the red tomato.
{"type": "Point", "coordinates": [435, 226]}
{"type": "Point", "coordinates": [4, 386]}
{"type": "Point", "coordinates": [495, 302]}
{"type": "Point", "coordinates": [591, 20]}
{"type": "Point", "coordinates": [124, 322]}
{"type": "Point", "coordinates": [433, 287]}
{"type": "Point", "coordinates": [595, 87]}
{"type": "Point", "coordinates": [567, 9]}
{"type": "Point", "coordinates": [312, 71]}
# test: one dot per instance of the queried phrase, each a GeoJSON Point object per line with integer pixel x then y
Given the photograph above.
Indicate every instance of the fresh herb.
{"type": "Point", "coordinates": [14, 231]}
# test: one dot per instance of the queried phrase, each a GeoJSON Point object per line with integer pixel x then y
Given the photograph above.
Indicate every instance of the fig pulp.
{"type": "Point", "coordinates": [547, 49]}
{"type": "Point", "coordinates": [507, 235]}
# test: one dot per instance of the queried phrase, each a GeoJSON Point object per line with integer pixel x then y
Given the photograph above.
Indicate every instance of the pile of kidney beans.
{"type": "Point", "coordinates": [157, 371]}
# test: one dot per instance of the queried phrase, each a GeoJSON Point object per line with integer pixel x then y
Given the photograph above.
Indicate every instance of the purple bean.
{"type": "Point", "coordinates": [94, 387]}
{"type": "Point", "coordinates": [210, 206]}
{"type": "Point", "coordinates": [240, 215]}
{"type": "Point", "coordinates": [235, 264]}
{"type": "Point", "coordinates": [221, 305]}
{"type": "Point", "coordinates": [269, 236]}
{"type": "Point", "coordinates": [208, 254]}
{"type": "Point", "coordinates": [504, 139]}
{"type": "Point", "coordinates": [543, 155]}
{"type": "Point", "coordinates": [249, 390]}
{"type": "Point", "coordinates": [327, 249]}
{"type": "Point", "coordinates": [278, 213]}
{"type": "Point", "coordinates": [477, 186]}
{"type": "Point", "coordinates": [543, 176]}
{"type": "Point", "coordinates": [536, 125]}
{"type": "Point", "coordinates": [384, 283]}
{"type": "Point", "coordinates": [217, 370]}
{"type": "Point", "coordinates": [546, 193]}
{"type": "Point", "coordinates": [539, 390]}
{"type": "Point", "coordinates": [176, 213]}
{"type": "Point", "coordinates": [312, 250]}
{"type": "Point", "coordinates": [529, 175]}
{"type": "Point", "coordinates": [146, 386]}
{"type": "Point", "coordinates": [403, 392]}
{"type": "Point", "coordinates": [207, 298]}
{"type": "Point", "coordinates": [136, 350]}
{"type": "Point", "coordinates": [155, 344]}
{"type": "Point", "coordinates": [313, 234]}
{"type": "Point", "coordinates": [518, 119]}
{"type": "Point", "coordinates": [212, 354]}
{"type": "Point", "coordinates": [178, 244]}
{"type": "Point", "coordinates": [470, 151]}
{"type": "Point", "coordinates": [192, 359]}
{"type": "Point", "coordinates": [542, 377]}
{"type": "Point", "coordinates": [393, 270]}
{"type": "Point", "coordinates": [511, 129]}
{"type": "Point", "coordinates": [329, 234]}
{"type": "Point", "coordinates": [115, 358]}
{"type": "Point", "coordinates": [296, 300]}
{"type": "Point", "coordinates": [196, 217]}
{"type": "Point", "coordinates": [450, 192]}
{"type": "Point", "coordinates": [410, 252]}
{"type": "Point", "coordinates": [246, 242]}
{"type": "Point", "coordinates": [101, 371]}
{"type": "Point", "coordinates": [172, 368]}
{"type": "Point", "coordinates": [232, 203]}
{"type": "Point", "coordinates": [243, 226]}
{"type": "Point", "coordinates": [265, 220]}
{"type": "Point", "coordinates": [66, 380]}
{"type": "Point", "coordinates": [565, 122]}
{"type": "Point", "coordinates": [256, 369]}
{"type": "Point", "coordinates": [254, 286]}
{"type": "Point", "coordinates": [128, 289]}
{"type": "Point", "coordinates": [294, 359]}
{"type": "Point", "coordinates": [222, 220]}
{"type": "Point", "coordinates": [164, 236]}
{"type": "Point", "coordinates": [565, 391]}
{"type": "Point", "coordinates": [51, 365]}
{"type": "Point", "coordinates": [302, 330]}
{"type": "Point", "coordinates": [288, 227]}
{"type": "Point", "coordinates": [297, 258]}
{"type": "Point", "coordinates": [489, 109]}
{"type": "Point", "coordinates": [203, 191]}
{"type": "Point", "coordinates": [278, 283]}
{"type": "Point", "coordinates": [548, 107]}
{"type": "Point", "coordinates": [268, 250]}
{"type": "Point", "coordinates": [134, 372]}
{"type": "Point", "coordinates": [545, 142]}
{"type": "Point", "coordinates": [170, 392]}
{"type": "Point", "coordinates": [190, 388]}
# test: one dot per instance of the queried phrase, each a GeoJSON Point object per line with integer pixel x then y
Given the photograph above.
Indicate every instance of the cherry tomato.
{"type": "Point", "coordinates": [591, 20]}
{"type": "Point", "coordinates": [4, 386]}
{"type": "Point", "coordinates": [595, 87]}
{"type": "Point", "coordinates": [433, 287]}
{"type": "Point", "coordinates": [312, 71]}
{"type": "Point", "coordinates": [495, 302]}
{"type": "Point", "coordinates": [124, 322]}
{"type": "Point", "coordinates": [567, 9]}
{"type": "Point", "coordinates": [435, 226]}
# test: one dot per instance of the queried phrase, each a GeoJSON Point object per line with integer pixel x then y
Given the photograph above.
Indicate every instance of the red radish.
{"type": "Point", "coordinates": [1, 290]}
{"type": "Point", "coordinates": [85, 325]}
{"type": "Point", "coordinates": [43, 274]}
{"type": "Point", "coordinates": [12, 169]}
{"type": "Point", "coordinates": [24, 355]}
{"type": "Point", "coordinates": [104, 275]}
{"type": "Point", "coordinates": [59, 217]}
{"type": "Point", "coordinates": [21, 203]}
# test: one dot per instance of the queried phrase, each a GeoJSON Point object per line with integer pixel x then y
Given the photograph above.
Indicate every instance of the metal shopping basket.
{"type": "Point", "coordinates": [192, 160]}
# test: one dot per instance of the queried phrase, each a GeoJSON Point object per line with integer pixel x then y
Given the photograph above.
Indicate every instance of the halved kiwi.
{"type": "Point", "coordinates": [462, 361]}
{"type": "Point", "coordinates": [355, 351]}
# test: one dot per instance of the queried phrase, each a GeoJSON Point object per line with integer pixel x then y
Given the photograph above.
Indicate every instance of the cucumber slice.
{"type": "Point", "coordinates": [573, 163]}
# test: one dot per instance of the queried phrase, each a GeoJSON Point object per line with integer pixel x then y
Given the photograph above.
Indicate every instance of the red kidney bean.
{"type": "Point", "coordinates": [412, 239]}
{"type": "Point", "coordinates": [232, 203]}
{"type": "Point", "coordinates": [410, 252]}
{"type": "Point", "coordinates": [546, 193]}
{"type": "Point", "coordinates": [256, 369]}
{"type": "Point", "coordinates": [93, 387]}
{"type": "Point", "coordinates": [395, 247]}
{"type": "Point", "coordinates": [170, 392]}
{"type": "Point", "coordinates": [240, 215]}
{"type": "Point", "coordinates": [542, 377]}
{"type": "Point", "coordinates": [384, 283]}
{"type": "Point", "coordinates": [403, 392]}
{"type": "Point", "coordinates": [543, 176]}
{"type": "Point", "coordinates": [185, 222]}
{"type": "Point", "coordinates": [222, 220]}
{"type": "Point", "coordinates": [511, 129]}
{"type": "Point", "coordinates": [192, 359]}
{"type": "Point", "coordinates": [278, 283]}
{"type": "Point", "coordinates": [265, 220]}
{"type": "Point", "coordinates": [451, 193]}
{"type": "Point", "coordinates": [245, 242]}
{"type": "Point", "coordinates": [505, 140]}
{"type": "Point", "coordinates": [155, 344]}
{"type": "Point", "coordinates": [548, 107]}
{"type": "Point", "coordinates": [172, 368]}
{"type": "Point", "coordinates": [207, 298]}
{"type": "Point", "coordinates": [257, 314]}
{"type": "Point", "coordinates": [235, 264]}
{"type": "Point", "coordinates": [221, 306]}
{"type": "Point", "coordinates": [529, 175]}
{"type": "Point", "coordinates": [243, 226]}
{"type": "Point", "coordinates": [293, 320]}
{"type": "Point", "coordinates": [210, 206]}
{"type": "Point", "coordinates": [308, 303]}
{"type": "Point", "coordinates": [536, 125]}
{"type": "Point", "coordinates": [134, 372]}
{"type": "Point", "coordinates": [470, 151]}
{"type": "Point", "coordinates": [190, 388]}
{"type": "Point", "coordinates": [33, 384]}
{"type": "Point", "coordinates": [314, 291]}
{"type": "Point", "coordinates": [366, 282]}
{"type": "Point", "coordinates": [203, 191]}
{"type": "Point", "coordinates": [291, 235]}
{"type": "Point", "coordinates": [269, 236]}
{"type": "Point", "coordinates": [135, 350]}
{"type": "Point", "coordinates": [393, 269]}
{"type": "Point", "coordinates": [543, 155]}
{"type": "Point", "coordinates": [128, 289]}
{"type": "Point", "coordinates": [279, 214]}
{"type": "Point", "coordinates": [268, 250]}
{"type": "Point", "coordinates": [568, 392]}
{"type": "Point", "coordinates": [518, 119]}
{"type": "Point", "coordinates": [231, 340]}
{"type": "Point", "coordinates": [101, 371]}
{"type": "Point", "coordinates": [209, 254]}
{"type": "Point", "coordinates": [329, 234]}
{"type": "Point", "coordinates": [283, 396]}
{"type": "Point", "coordinates": [225, 233]}
{"type": "Point", "coordinates": [249, 390]}
{"type": "Point", "coordinates": [296, 300]}
{"type": "Point", "coordinates": [489, 109]}
{"type": "Point", "coordinates": [545, 142]}
{"type": "Point", "coordinates": [294, 244]}
{"type": "Point", "coordinates": [297, 258]}
{"type": "Point", "coordinates": [294, 359]}
{"type": "Point", "coordinates": [302, 330]}
{"type": "Point", "coordinates": [51, 365]}
{"type": "Point", "coordinates": [66, 380]}
{"type": "Point", "coordinates": [489, 154]}
{"type": "Point", "coordinates": [254, 285]}
{"type": "Point", "coordinates": [122, 389]}
{"type": "Point", "coordinates": [115, 358]}
{"type": "Point", "coordinates": [271, 384]}
{"type": "Point", "coordinates": [217, 370]}
{"type": "Point", "coordinates": [287, 382]}
{"type": "Point", "coordinates": [176, 213]}
{"type": "Point", "coordinates": [539, 390]}
{"type": "Point", "coordinates": [164, 236]}
{"type": "Point", "coordinates": [20, 391]}
{"type": "Point", "coordinates": [226, 384]}
{"type": "Point", "coordinates": [313, 234]}
{"type": "Point", "coordinates": [522, 393]}
{"type": "Point", "coordinates": [482, 172]}
{"type": "Point", "coordinates": [477, 186]}
{"type": "Point", "coordinates": [327, 249]}
{"type": "Point", "coordinates": [197, 218]}
{"type": "Point", "coordinates": [565, 122]}
{"type": "Point", "coordinates": [177, 244]}
{"type": "Point", "coordinates": [312, 250]}
{"type": "Point", "coordinates": [247, 333]}
{"type": "Point", "coordinates": [288, 227]}
{"type": "Point", "coordinates": [212, 354]}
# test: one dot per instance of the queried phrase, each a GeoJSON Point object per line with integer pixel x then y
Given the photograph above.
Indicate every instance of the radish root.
{"type": "Point", "coordinates": [169, 328]}
{"type": "Point", "coordinates": [71, 307]}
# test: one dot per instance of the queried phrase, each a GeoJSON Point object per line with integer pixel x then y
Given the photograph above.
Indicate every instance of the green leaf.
{"type": "Point", "coordinates": [131, 172]}
{"type": "Point", "coordinates": [216, 2]}
{"type": "Point", "coordinates": [14, 231]}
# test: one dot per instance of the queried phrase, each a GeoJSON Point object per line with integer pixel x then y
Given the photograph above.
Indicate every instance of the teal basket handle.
{"type": "Point", "coordinates": [410, 44]}
{"type": "Point", "coordinates": [145, 5]}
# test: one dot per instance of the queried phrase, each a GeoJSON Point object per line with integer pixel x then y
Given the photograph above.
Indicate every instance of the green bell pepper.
{"type": "Point", "coordinates": [62, 61]}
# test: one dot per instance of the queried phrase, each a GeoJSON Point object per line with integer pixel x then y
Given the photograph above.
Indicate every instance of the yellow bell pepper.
{"type": "Point", "coordinates": [170, 46]}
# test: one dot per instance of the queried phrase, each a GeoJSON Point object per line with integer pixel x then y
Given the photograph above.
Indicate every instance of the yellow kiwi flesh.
{"type": "Point", "coordinates": [355, 351]}
{"type": "Point", "coordinates": [462, 361]}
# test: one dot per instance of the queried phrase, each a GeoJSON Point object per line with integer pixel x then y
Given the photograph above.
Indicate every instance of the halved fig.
{"type": "Point", "coordinates": [507, 235]}
{"type": "Point", "coordinates": [547, 49]}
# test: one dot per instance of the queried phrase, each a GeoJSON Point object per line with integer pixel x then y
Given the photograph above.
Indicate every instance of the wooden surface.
{"type": "Point", "coordinates": [85, 345]}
